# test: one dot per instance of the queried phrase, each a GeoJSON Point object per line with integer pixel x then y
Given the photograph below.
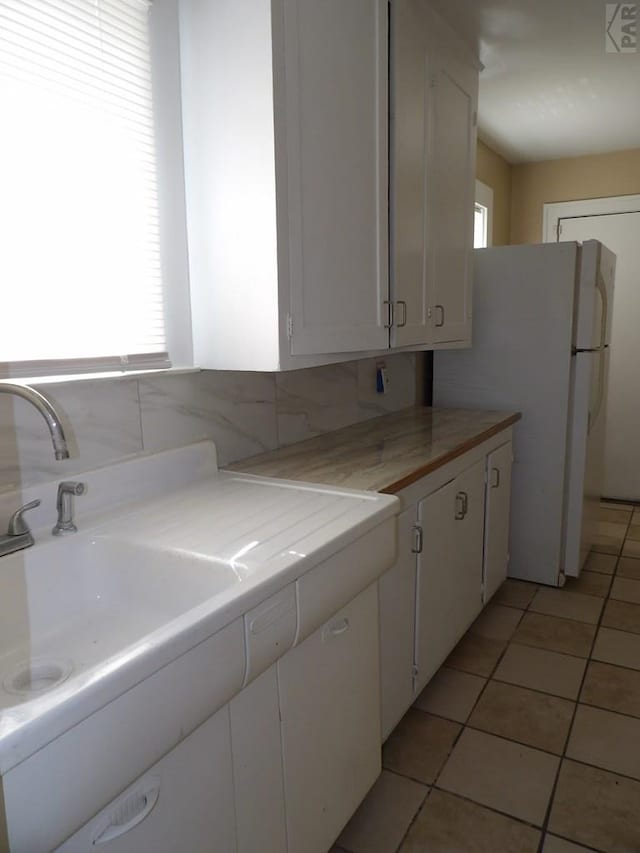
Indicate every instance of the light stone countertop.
{"type": "Point", "coordinates": [384, 454]}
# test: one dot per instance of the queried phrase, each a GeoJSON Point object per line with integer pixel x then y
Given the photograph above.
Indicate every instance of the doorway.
{"type": "Point", "coordinates": [616, 223]}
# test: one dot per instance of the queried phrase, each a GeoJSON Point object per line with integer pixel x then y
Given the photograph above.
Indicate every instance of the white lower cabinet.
{"type": "Point", "coordinates": [397, 594]}
{"type": "Point", "coordinates": [184, 802]}
{"type": "Point", "coordinates": [257, 767]}
{"type": "Point", "coordinates": [496, 545]}
{"type": "Point", "coordinates": [329, 700]}
{"type": "Point", "coordinates": [452, 556]}
{"type": "Point", "coordinates": [448, 592]}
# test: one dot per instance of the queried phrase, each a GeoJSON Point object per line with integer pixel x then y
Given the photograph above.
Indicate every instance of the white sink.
{"type": "Point", "coordinates": [77, 602]}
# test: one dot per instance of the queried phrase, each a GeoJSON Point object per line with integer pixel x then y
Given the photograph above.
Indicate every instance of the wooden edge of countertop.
{"type": "Point", "coordinates": [450, 455]}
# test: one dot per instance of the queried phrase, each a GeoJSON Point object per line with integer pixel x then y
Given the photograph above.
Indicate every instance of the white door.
{"type": "Point", "coordinates": [336, 71]}
{"type": "Point", "coordinates": [620, 232]}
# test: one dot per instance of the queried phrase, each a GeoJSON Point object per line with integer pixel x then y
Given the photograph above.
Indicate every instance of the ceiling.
{"type": "Point", "coordinates": [549, 87]}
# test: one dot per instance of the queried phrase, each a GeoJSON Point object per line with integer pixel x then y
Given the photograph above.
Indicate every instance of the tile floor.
{"type": "Point", "coordinates": [528, 738]}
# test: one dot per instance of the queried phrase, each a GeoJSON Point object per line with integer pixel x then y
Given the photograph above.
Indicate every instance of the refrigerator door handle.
{"type": "Point", "coordinates": [604, 318]}
{"type": "Point", "coordinates": [594, 413]}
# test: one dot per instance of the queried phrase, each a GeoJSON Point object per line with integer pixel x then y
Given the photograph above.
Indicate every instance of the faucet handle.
{"type": "Point", "coordinates": [17, 524]}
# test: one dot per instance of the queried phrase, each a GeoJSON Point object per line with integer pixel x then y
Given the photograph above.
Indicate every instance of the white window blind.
{"type": "Point", "coordinates": [79, 236]}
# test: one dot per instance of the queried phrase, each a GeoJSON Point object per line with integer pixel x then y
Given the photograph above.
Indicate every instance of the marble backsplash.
{"type": "Point", "coordinates": [107, 420]}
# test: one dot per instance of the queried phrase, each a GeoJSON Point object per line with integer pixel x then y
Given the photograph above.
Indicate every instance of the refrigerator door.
{"type": "Point", "coordinates": [521, 360]}
{"type": "Point", "coordinates": [585, 470]}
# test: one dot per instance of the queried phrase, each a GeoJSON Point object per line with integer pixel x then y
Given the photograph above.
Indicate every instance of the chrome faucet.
{"type": "Point", "coordinates": [40, 402]}
{"type": "Point", "coordinates": [64, 504]}
{"type": "Point", "coordinates": [18, 535]}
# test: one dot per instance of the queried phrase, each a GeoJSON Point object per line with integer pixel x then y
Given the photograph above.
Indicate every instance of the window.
{"type": "Point", "coordinates": [80, 250]}
{"type": "Point", "coordinates": [483, 217]}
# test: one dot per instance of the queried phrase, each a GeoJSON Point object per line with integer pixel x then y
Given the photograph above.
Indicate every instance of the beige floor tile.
{"type": "Point", "coordinates": [613, 687]}
{"type": "Point", "coordinates": [590, 583]}
{"type": "Point", "coordinates": [607, 545]}
{"type": "Point", "coordinates": [622, 615]}
{"type": "Point", "coordinates": [451, 693]}
{"type": "Point", "coordinates": [419, 745]}
{"type": "Point", "coordinates": [597, 808]}
{"type": "Point", "coordinates": [553, 844]}
{"type": "Point", "coordinates": [607, 740]}
{"type": "Point", "coordinates": [570, 605]}
{"type": "Point", "coordinates": [383, 818]}
{"type": "Point", "coordinates": [626, 589]}
{"type": "Point", "coordinates": [603, 563]}
{"type": "Point", "coordinates": [448, 824]}
{"type": "Point", "coordinates": [628, 567]}
{"type": "Point", "coordinates": [631, 548]}
{"type": "Point", "coordinates": [555, 634]}
{"type": "Point", "coordinates": [613, 530]}
{"type": "Point", "coordinates": [543, 670]}
{"type": "Point", "coordinates": [515, 593]}
{"type": "Point", "coordinates": [536, 719]}
{"type": "Point", "coordinates": [477, 655]}
{"type": "Point", "coordinates": [496, 622]}
{"type": "Point", "coordinates": [617, 516]}
{"type": "Point", "coordinates": [617, 647]}
{"type": "Point", "coordinates": [634, 530]}
{"type": "Point", "coordinates": [501, 774]}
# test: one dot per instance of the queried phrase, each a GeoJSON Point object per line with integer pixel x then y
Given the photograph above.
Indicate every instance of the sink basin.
{"type": "Point", "coordinates": [76, 602]}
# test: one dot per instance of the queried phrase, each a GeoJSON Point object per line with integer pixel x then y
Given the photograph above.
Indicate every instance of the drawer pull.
{"type": "Point", "coordinates": [129, 812]}
{"type": "Point", "coordinates": [462, 505]}
{"type": "Point", "coordinates": [336, 629]}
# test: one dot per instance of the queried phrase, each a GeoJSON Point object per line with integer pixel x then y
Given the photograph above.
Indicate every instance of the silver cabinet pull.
{"type": "Point", "coordinates": [440, 308]}
{"type": "Point", "coordinates": [495, 478]}
{"type": "Point", "coordinates": [389, 322]}
{"type": "Point", "coordinates": [462, 505]}
{"type": "Point", "coordinates": [402, 304]}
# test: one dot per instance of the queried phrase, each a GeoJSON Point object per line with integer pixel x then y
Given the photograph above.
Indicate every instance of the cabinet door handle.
{"type": "Point", "coordinates": [462, 504]}
{"type": "Point", "coordinates": [495, 474]}
{"type": "Point", "coordinates": [440, 323]}
{"type": "Point", "coordinates": [402, 304]}
{"type": "Point", "coordinates": [334, 630]}
{"type": "Point", "coordinates": [389, 322]}
{"type": "Point", "coordinates": [128, 813]}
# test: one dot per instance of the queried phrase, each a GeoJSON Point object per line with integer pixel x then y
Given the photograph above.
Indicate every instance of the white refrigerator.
{"type": "Point", "coordinates": [541, 339]}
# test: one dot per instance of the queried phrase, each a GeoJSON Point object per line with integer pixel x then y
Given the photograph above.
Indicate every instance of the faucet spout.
{"type": "Point", "coordinates": [40, 402]}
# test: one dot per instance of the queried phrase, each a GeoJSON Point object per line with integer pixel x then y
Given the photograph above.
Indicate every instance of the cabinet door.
{"type": "Point", "coordinates": [449, 568]}
{"type": "Point", "coordinates": [397, 595]}
{"type": "Point", "coordinates": [184, 802]}
{"type": "Point", "coordinates": [257, 766]}
{"type": "Point", "coordinates": [330, 712]}
{"type": "Point", "coordinates": [409, 81]}
{"type": "Point", "coordinates": [496, 545]}
{"type": "Point", "coordinates": [451, 117]}
{"type": "Point", "coordinates": [336, 69]}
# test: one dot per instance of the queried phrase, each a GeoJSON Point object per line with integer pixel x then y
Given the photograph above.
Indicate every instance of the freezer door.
{"type": "Point", "coordinates": [585, 470]}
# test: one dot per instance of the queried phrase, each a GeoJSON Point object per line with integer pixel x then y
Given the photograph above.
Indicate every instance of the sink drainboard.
{"type": "Point", "coordinates": [36, 676]}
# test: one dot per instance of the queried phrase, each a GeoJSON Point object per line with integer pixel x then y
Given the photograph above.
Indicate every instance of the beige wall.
{"type": "Point", "coordinates": [493, 170]}
{"type": "Point", "coordinates": [570, 179]}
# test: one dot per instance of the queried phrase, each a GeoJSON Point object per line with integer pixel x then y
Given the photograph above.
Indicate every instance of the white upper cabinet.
{"type": "Point", "coordinates": [434, 88]}
{"type": "Point", "coordinates": [286, 144]}
{"type": "Point", "coordinates": [285, 113]}
{"type": "Point", "coordinates": [337, 173]}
